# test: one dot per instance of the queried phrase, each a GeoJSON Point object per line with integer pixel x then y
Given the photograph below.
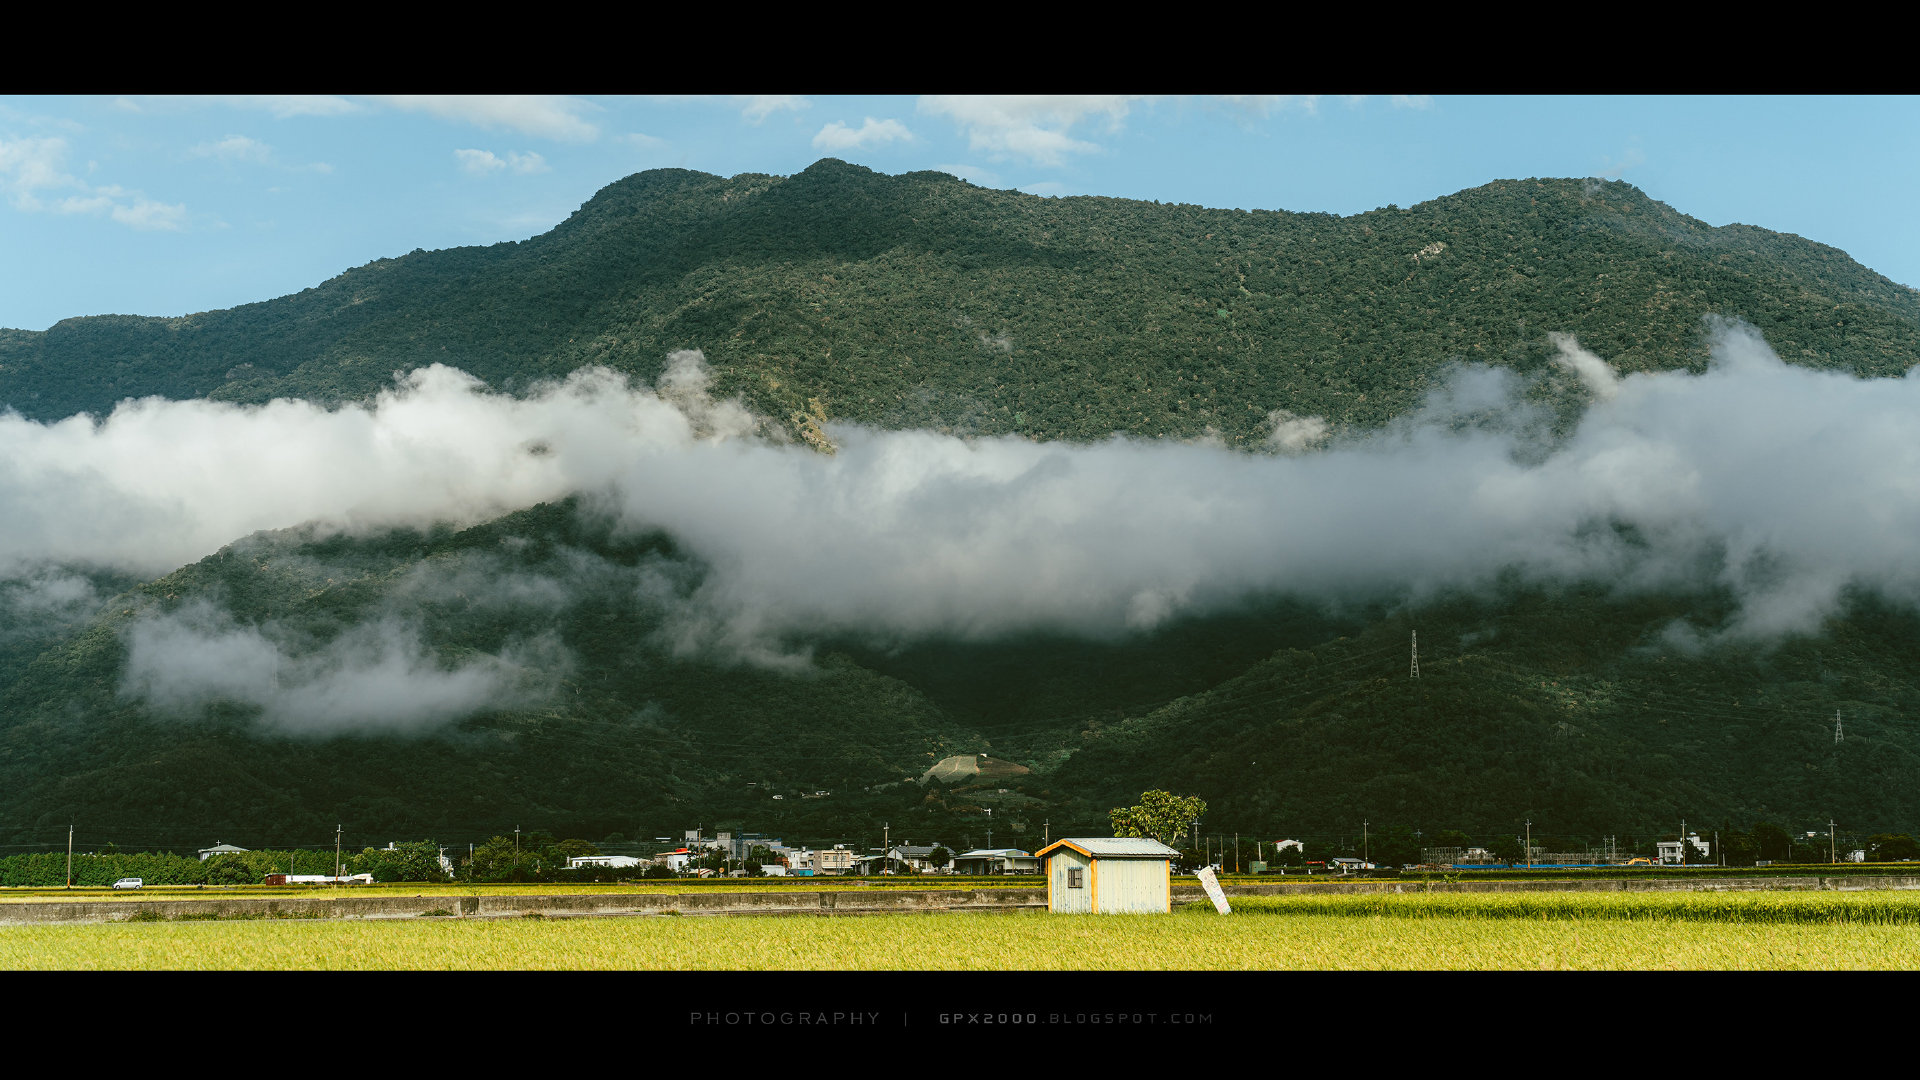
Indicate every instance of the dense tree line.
{"type": "Point", "coordinates": [411, 861]}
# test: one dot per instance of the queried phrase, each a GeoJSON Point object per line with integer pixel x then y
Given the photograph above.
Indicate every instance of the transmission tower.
{"type": "Point", "coordinates": [1415, 672]}
{"type": "Point", "coordinates": [1838, 734]}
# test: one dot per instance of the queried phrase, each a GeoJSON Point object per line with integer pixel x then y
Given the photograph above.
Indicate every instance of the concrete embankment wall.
{"type": "Point", "coordinates": [836, 902]}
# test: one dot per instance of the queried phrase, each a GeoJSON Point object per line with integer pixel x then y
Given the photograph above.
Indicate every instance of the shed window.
{"type": "Point", "coordinates": [1073, 877]}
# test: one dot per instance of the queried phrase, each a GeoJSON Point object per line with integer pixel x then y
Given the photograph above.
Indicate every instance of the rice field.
{"type": "Point", "coordinates": [1745, 931]}
{"type": "Point", "coordinates": [1884, 907]}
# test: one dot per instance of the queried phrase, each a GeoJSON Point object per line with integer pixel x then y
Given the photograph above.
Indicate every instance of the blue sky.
{"type": "Point", "coordinates": [165, 206]}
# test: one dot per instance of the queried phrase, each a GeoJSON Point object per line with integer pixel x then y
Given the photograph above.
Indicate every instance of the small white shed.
{"type": "Point", "coordinates": [1109, 875]}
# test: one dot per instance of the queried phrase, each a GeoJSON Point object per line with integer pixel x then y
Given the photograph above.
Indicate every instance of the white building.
{"type": "Point", "coordinates": [1673, 852]}
{"type": "Point", "coordinates": [621, 861]}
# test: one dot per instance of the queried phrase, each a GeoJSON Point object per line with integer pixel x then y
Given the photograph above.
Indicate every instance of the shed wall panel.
{"type": "Point", "coordinates": [1133, 886]}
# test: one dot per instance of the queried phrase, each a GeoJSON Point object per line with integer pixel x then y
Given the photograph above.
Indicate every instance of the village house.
{"type": "Point", "coordinates": [620, 861]}
{"type": "Point", "coordinates": [835, 860]}
{"type": "Point", "coordinates": [1673, 852]}
{"type": "Point", "coordinates": [996, 861]}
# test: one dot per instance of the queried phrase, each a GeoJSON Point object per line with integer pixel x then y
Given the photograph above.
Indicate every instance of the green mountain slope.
{"type": "Point", "coordinates": [1557, 706]}
{"type": "Point", "coordinates": [621, 738]}
{"type": "Point", "coordinates": [920, 300]}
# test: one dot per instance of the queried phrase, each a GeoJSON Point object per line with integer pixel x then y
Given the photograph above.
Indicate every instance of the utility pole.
{"type": "Point", "coordinates": [1415, 672]}
{"type": "Point", "coordinates": [1046, 833]}
{"type": "Point", "coordinates": [886, 845]}
{"type": "Point", "coordinates": [1718, 848]}
{"type": "Point", "coordinates": [1832, 856]}
{"type": "Point", "coordinates": [69, 855]}
{"type": "Point", "coordinates": [989, 828]}
{"type": "Point", "coordinates": [1236, 853]}
{"type": "Point", "coordinates": [336, 856]}
{"type": "Point", "coordinates": [1529, 843]}
{"type": "Point", "coordinates": [1366, 854]}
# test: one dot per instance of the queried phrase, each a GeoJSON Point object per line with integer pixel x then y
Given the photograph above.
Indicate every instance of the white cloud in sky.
{"type": "Point", "coordinates": [838, 136]}
{"type": "Point", "coordinates": [485, 162]}
{"type": "Point", "coordinates": [32, 167]}
{"type": "Point", "coordinates": [1030, 126]}
{"type": "Point", "coordinates": [758, 107]}
{"type": "Point", "coordinates": [545, 116]}
{"type": "Point", "coordinates": [641, 142]}
{"type": "Point", "coordinates": [1264, 105]}
{"type": "Point", "coordinates": [754, 108]}
{"type": "Point", "coordinates": [241, 150]}
{"type": "Point", "coordinates": [235, 148]}
{"type": "Point", "coordinates": [139, 212]}
{"type": "Point", "coordinates": [281, 106]}
{"type": "Point", "coordinates": [1412, 101]}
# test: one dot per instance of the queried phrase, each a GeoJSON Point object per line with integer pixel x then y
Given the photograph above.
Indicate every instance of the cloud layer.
{"type": "Point", "coordinates": [1785, 484]}
{"type": "Point", "coordinates": [375, 677]}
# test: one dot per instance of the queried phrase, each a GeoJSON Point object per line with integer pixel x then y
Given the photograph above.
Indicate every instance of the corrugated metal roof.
{"type": "Point", "coordinates": [1117, 847]}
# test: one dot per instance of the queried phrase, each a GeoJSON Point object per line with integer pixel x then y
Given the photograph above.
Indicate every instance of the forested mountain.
{"type": "Point", "coordinates": [920, 301]}
{"type": "Point", "coordinates": [1530, 703]}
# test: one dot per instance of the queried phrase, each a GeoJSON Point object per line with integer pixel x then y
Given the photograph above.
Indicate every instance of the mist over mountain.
{"type": "Point", "coordinates": [730, 488]}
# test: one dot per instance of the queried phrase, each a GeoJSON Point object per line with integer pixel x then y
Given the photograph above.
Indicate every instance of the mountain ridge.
{"type": "Point", "coordinates": [992, 311]}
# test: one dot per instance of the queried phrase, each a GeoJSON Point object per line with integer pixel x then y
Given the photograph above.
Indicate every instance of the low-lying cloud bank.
{"type": "Point", "coordinates": [1788, 485]}
{"type": "Point", "coordinates": [375, 677]}
{"type": "Point", "coordinates": [44, 600]}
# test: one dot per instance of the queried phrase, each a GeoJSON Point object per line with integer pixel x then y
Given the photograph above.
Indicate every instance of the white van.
{"type": "Point", "coordinates": [128, 883]}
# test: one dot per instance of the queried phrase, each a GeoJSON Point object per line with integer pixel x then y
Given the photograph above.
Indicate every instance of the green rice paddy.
{"type": "Point", "coordinates": [1657, 931]}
